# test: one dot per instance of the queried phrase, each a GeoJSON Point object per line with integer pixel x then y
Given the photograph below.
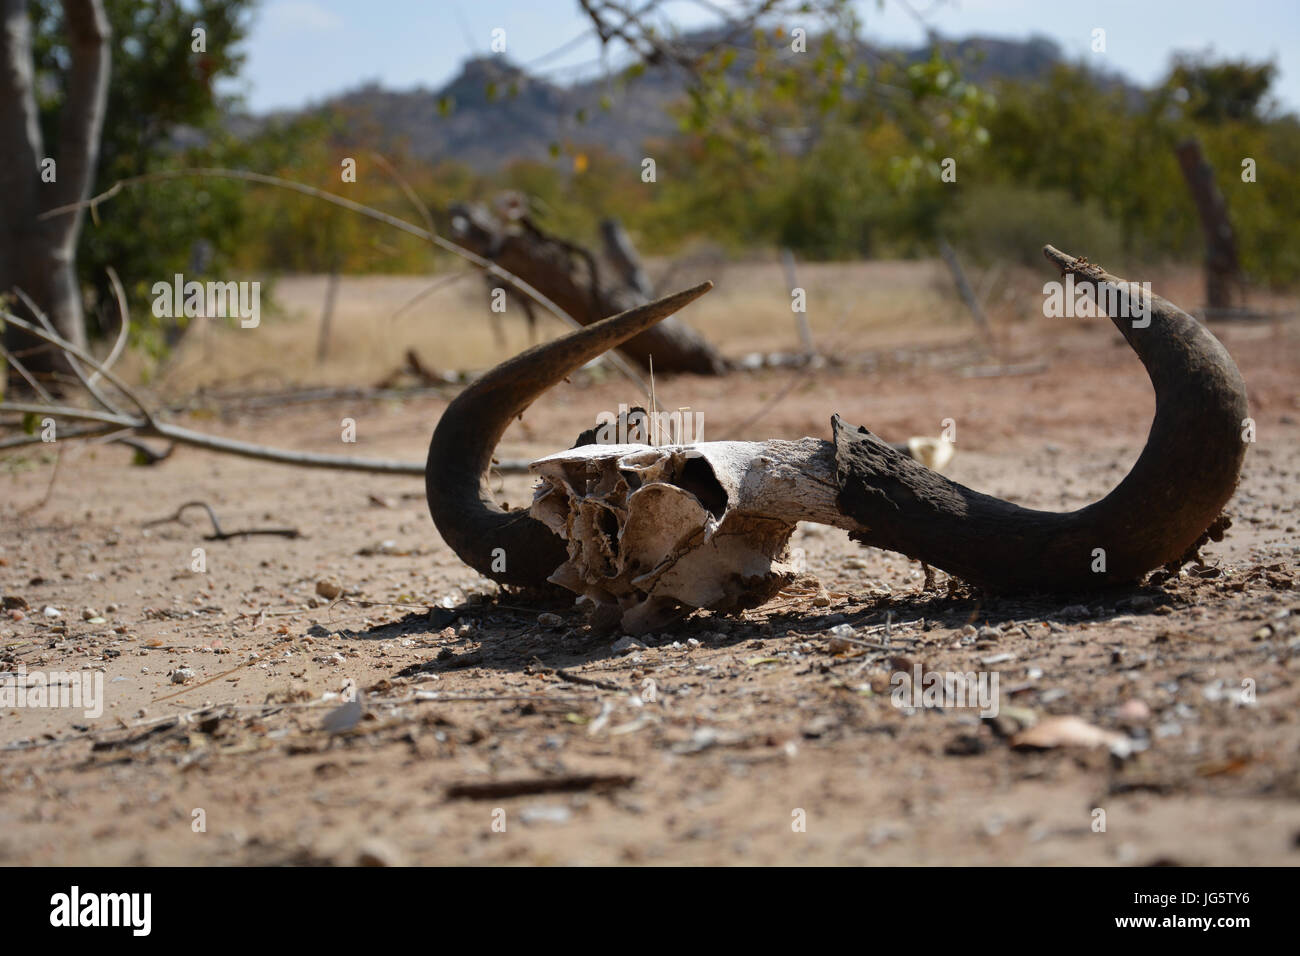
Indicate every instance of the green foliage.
{"type": "Point", "coordinates": [815, 153]}
{"type": "Point", "coordinates": [1113, 153]}
{"type": "Point", "coordinates": [1005, 222]}
{"type": "Point", "coordinates": [1220, 92]}
{"type": "Point", "coordinates": [827, 152]}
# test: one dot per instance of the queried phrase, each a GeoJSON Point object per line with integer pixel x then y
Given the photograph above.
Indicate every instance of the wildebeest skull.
{"type": "Point", "coordinates": [643, 530]}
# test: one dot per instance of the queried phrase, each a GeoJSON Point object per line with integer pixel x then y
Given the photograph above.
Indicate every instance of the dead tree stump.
{"type": "Point", "coordinates": [573, 279]}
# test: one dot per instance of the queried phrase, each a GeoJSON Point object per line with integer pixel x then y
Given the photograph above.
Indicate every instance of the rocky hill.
{"type": "Point", "coordinates": [493, 112]}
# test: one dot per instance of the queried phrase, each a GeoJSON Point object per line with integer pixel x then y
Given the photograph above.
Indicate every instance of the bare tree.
{"type": "Point", "coordinates": [38, 255]}
{"type": "Point", "coordinates": [1223, 281]}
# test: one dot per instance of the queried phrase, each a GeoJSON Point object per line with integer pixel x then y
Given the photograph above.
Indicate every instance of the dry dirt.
{"type": "Point", "coordinates": [497, 729]}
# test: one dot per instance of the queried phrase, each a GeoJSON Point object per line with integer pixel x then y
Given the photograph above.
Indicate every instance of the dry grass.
{"type": "Point", "coordinates": [878, 303]}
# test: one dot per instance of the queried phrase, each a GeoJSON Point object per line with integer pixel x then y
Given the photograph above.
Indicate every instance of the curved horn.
{"type": "Point", "coordinates": [467, 434]}
{"type": "Point", "coordinates": [1166, 506]}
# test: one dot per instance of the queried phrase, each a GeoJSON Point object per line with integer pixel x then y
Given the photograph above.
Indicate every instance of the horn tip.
{"type": "Point", "coordinates": [686, 296]}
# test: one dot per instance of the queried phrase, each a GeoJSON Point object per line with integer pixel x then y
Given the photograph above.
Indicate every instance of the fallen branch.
{"type": "Point", "coordinates": [147, 424]}
{"type": "Point", "coordinates": [575, 783]}
{"type": "Point", "coordinates": [219, 534]}
{"type": "Point", "coordinates": [566, 676]}
{"type": "Point", "coordinates": [144, 455]}
{"type": "Point", "coordinates": [90, 431]}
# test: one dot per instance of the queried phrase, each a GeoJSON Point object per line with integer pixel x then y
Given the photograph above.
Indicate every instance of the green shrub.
{"type": "Point", "coordinates": [1013, 223]}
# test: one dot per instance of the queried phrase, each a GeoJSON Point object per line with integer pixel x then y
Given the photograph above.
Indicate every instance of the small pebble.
{"type": "Point", "coordinates": [328, 588]}
{"type": "Point", "coordinates": [1134, 711]}
{"type": "Point", "coordinates": [378, 853]}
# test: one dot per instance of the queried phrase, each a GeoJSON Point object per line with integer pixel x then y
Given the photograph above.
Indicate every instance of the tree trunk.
{"type": "Point", "coordinates": [39, 256]}
{"type": "Point", "coordinates": [1222, 269]}
{"type": "Point", "coordinates": [623, 255]}
{"type": "Point", "coordinates": [570, 277]}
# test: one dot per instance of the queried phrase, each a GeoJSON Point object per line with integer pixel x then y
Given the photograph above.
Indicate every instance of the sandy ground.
{"type": "Point", "coordinates": [497, 729]}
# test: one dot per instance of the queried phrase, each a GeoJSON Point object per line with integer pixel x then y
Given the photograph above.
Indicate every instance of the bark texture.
{"type": "Point", "coordinates": [573, 279]}
{"type": "Point", "coordinates": [39, 256]}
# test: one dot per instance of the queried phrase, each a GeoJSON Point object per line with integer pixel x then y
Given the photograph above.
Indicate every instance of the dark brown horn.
{"type": "Point", "coordinates": [467, 434]}
{"type": "Point", "coordinates": [1158, 514]}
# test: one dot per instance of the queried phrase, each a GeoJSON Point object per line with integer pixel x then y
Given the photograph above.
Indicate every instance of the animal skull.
{"type": "Point", "coordinates": [639, 530]}
{"type": "Point", "coordinates": [651, 529]}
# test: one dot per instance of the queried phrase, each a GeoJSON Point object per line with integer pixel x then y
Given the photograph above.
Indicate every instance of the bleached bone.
{"type": "Point", "coordinates": [650, 529]}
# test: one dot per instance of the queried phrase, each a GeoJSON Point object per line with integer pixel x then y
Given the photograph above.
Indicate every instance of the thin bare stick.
{"type": "Point", "coordinates": [124, 317]}
{"type": "Point", "coordinates": [204, 683]}
{"type": "Point", "coordinates": [151, 426]}
{"type": "Point", "coordinates": [654, 410]}
{"type": "Point", "coordinates": [73, 364]}
{"type": "Point", "coordinates": [21, 369]}
{"type": "Point", "coordinates": [218, 534]}
{"type": "Point", "coordinates": [144, 455]}
{"type": "Point", "coordinates": [410, 192]}
{"type": "Point", "coordinates": [93, 431]}
{"type": "Point", "coordinates": [69, 348]}
{"type": "Point", "coordinates": [432, 287]}
{"type": "Point", "coordinates": [799, 376]}
{"type": "Point", "coordinates": [567, 783]}
{"type": "Point", "coordinates": [195, 439]}
{"type": "Point", "coordinates": [67, 411]}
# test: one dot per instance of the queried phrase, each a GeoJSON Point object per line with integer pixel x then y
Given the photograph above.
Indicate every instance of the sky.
{"type": "Point", "coordinates": [303, 51]}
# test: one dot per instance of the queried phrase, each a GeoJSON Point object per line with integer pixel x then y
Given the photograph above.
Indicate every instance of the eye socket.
{"type": "Point", "coordinates": [698, 478]}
